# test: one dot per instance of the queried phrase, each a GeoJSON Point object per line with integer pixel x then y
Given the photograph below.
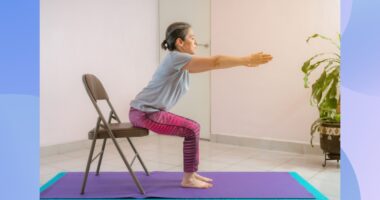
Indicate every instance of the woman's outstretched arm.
{"type": "Point", "coordinates": [202, 64]}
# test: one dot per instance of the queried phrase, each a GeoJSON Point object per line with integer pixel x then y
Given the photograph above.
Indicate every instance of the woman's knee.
{"type": "Point", "coordinates": [195, 129]}
{"type": "Point", "coordinates": [194, 125]}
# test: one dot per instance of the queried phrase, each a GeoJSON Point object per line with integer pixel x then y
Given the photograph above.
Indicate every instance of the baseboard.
{"type": "Point", "coordinates": [75, 146]}
{"type": "Point", "coordinates": [273, 145]}
{"type": "Point", "coordinates": [65, 147]}
{"type": "Point", "coordinates": [265, 144]}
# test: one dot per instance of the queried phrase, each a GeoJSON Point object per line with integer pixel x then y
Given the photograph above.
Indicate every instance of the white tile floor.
{"type": "Point", "coordinates": [164, 153]}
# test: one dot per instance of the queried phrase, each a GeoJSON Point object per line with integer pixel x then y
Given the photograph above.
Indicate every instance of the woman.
{"type": "Point", "coordinates": [150, 108]}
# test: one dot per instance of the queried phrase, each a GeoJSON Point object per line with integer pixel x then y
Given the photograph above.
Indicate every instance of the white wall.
{"type": "Point", "coordinates": [195, 104]}
{"type": "Point", "coordinates": [267, 102]}
{"type": "Point", "coordinates": [116, 40]}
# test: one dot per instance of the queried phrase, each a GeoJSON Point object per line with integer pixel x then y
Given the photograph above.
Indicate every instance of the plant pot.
{"type": "Point", "coordinates": [330, 137]}
{"type": "Point", "coordinates": [330, 140]}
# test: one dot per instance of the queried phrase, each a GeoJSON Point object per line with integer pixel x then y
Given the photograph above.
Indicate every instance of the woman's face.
{"type": "Point", "coordinates": [189, 45]}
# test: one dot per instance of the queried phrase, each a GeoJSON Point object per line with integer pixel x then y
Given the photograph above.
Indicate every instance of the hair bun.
{"type": "Point", "coordinates": [164, 44]}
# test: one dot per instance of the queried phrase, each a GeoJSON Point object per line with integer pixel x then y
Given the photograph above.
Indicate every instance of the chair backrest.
{"type": "Point", "coordinates": [96, 91]}
{"type": "Point", "coordinates": [94, 87]}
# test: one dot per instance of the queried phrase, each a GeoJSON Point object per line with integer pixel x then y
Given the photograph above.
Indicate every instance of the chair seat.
{"type": "Point", "coordinates": [120, 130]}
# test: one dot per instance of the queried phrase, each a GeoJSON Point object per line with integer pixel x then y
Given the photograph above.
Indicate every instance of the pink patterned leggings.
{"type": "Point", "coordinates": [167, 123]}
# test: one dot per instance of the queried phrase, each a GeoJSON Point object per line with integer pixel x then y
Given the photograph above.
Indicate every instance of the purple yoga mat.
{"type": "Point", "coordinates": [167, 185]}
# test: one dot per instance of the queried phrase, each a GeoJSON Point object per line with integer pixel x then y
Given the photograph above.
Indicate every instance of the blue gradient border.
{"type": "Point", "coordinates": [360, 89]}
{"type": "Point", "coordinates": [19, 98]}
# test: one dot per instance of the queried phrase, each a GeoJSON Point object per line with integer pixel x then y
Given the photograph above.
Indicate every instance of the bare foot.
{"type": "Point", "coordinates": [195, 183]}
{"type": "Point", "coordinates": [202, 178]}
{"type": "Point", "coordinates": [190, 181]}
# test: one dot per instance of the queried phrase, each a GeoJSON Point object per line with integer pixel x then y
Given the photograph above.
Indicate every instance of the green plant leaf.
{"type": "Point", "coordinates": [314, 127]}
{"type": "Point", "coordinates": [317, 88]}
{"type": "Point", "coordinates": [339, 37]}
{"type": "Point", "coordinates": [306, 64]}
{"type": "Point", "coordinates": [308, 70]}
{"type": "Point", "coordinates": [325, 88]}
{"type": "Point", "coordinates": [308, 67]}
{"type": "Point", "coordinates": [306, 81]}
{"type": "Point", "coordinates": [317, 64]}
{"type": "Point", "coordinates": [329, 103]}
{"type": "Point", "coordinates": [330, 67]}
{"type": "Point", "coordinates": [325, 92]}
{"type": "Point", "coordinates": [324, 38]}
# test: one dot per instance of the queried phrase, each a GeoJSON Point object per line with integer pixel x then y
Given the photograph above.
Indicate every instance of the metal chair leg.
{"type": "Point", "coordinates": [88, 165]}
{"type": "Point", "coordinates": [137, 182]}
{"type": "Point", "coordinates": [138, 156]}
{"type": "Point", "coordinates": [101, 156]}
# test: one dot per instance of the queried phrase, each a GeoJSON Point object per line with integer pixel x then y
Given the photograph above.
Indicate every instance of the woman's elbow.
{"type": "Point", "coordinates": [216, 62]}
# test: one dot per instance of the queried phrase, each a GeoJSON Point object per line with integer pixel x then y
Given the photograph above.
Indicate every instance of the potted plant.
{"type": "Point", "coordinates": [325, 95]}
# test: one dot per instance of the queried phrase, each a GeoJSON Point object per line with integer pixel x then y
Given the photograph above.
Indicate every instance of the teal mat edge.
{"type": "Point", "coordinates": [318, 195]}
{"type": "Point", "coordinates": [52, 181]}
{"type": "Point", "coordinates": [295, 175]}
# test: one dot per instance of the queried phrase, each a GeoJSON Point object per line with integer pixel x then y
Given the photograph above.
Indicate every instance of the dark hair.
{"type": "Point", "coordinates": [174, 31]}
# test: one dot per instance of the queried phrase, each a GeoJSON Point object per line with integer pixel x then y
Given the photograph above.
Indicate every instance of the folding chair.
{"type": "Point", "coordinates": [105, 129]}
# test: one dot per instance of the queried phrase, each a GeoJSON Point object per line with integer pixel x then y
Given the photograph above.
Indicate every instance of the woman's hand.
{"type": "Point", "coordinates": [257, 59]}
{"type": "Point", "coordinates": [200, 64]}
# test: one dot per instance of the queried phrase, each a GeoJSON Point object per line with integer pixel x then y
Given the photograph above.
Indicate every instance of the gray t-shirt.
{"type": "Point", "coordinates": [168, 85]}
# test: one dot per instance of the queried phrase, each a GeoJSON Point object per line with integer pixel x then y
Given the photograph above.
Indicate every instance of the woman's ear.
{"type": "Point", "coordinates": [179, 42]}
